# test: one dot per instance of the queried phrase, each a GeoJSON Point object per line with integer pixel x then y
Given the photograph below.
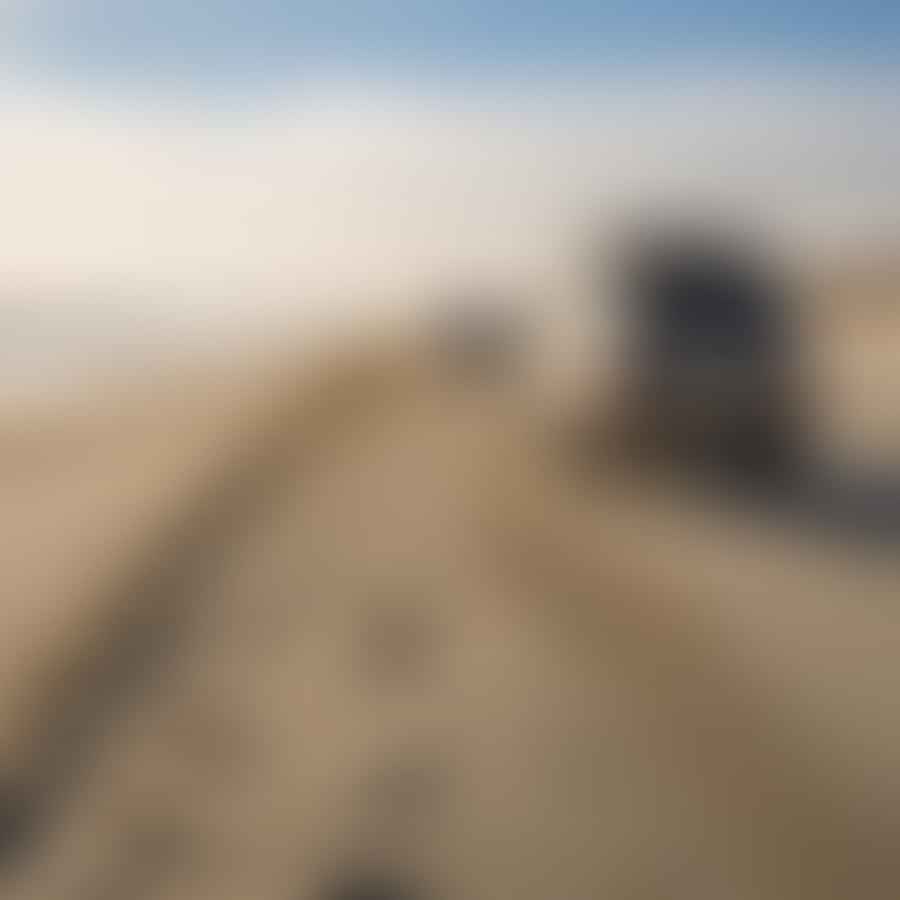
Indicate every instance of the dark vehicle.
{"type": "Point", "coordinates": [716, 352]}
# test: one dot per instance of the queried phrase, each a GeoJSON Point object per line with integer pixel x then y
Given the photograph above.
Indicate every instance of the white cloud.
{"type": "Point", "coordinates": [338, 180]}
{"type": "Point", "coordinates": [339, 192]}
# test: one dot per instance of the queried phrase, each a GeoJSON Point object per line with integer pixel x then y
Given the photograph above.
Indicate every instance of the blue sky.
{"type": "Point", "coordinates": [235, 42]}
{"type": "Point", "coordinates": [358, 148]}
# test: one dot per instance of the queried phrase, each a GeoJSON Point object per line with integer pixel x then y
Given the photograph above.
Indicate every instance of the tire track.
{"type": "Point", "coordinates": [146, 610]}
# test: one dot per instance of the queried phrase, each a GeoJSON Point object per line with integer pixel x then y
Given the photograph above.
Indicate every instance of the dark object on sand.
{"type": "Point", "coordinates": [372, 886]}
{"type": "Point", "coordinates": [19, 815]}
{"type": "Point", "coordinates": [480, 337]}
{"type": "Point", "coordinates": [715, 353]}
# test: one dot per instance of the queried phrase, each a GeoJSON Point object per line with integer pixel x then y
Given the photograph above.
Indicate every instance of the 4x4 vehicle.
{"type": "Point", "coordinates": [716, 351]}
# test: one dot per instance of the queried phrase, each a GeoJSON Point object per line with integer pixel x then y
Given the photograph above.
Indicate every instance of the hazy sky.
{"type": "Point", "coordinates": [231, 157]}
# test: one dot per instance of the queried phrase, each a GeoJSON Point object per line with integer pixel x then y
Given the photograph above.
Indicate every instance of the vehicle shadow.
{"type": "Point", "coordinates": [858, 507]}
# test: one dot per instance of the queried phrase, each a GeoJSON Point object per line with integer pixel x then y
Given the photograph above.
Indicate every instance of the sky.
{"type": "Point", "coordinates": [179, 167]}
{"type": "Point", "coordinates": [230, 40]}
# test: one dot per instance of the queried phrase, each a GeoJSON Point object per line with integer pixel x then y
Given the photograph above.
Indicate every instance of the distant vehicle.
{"type": "Point", "coordinates": [480, 335]}
{"type": "Point", "coordinates": [716, 368]}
